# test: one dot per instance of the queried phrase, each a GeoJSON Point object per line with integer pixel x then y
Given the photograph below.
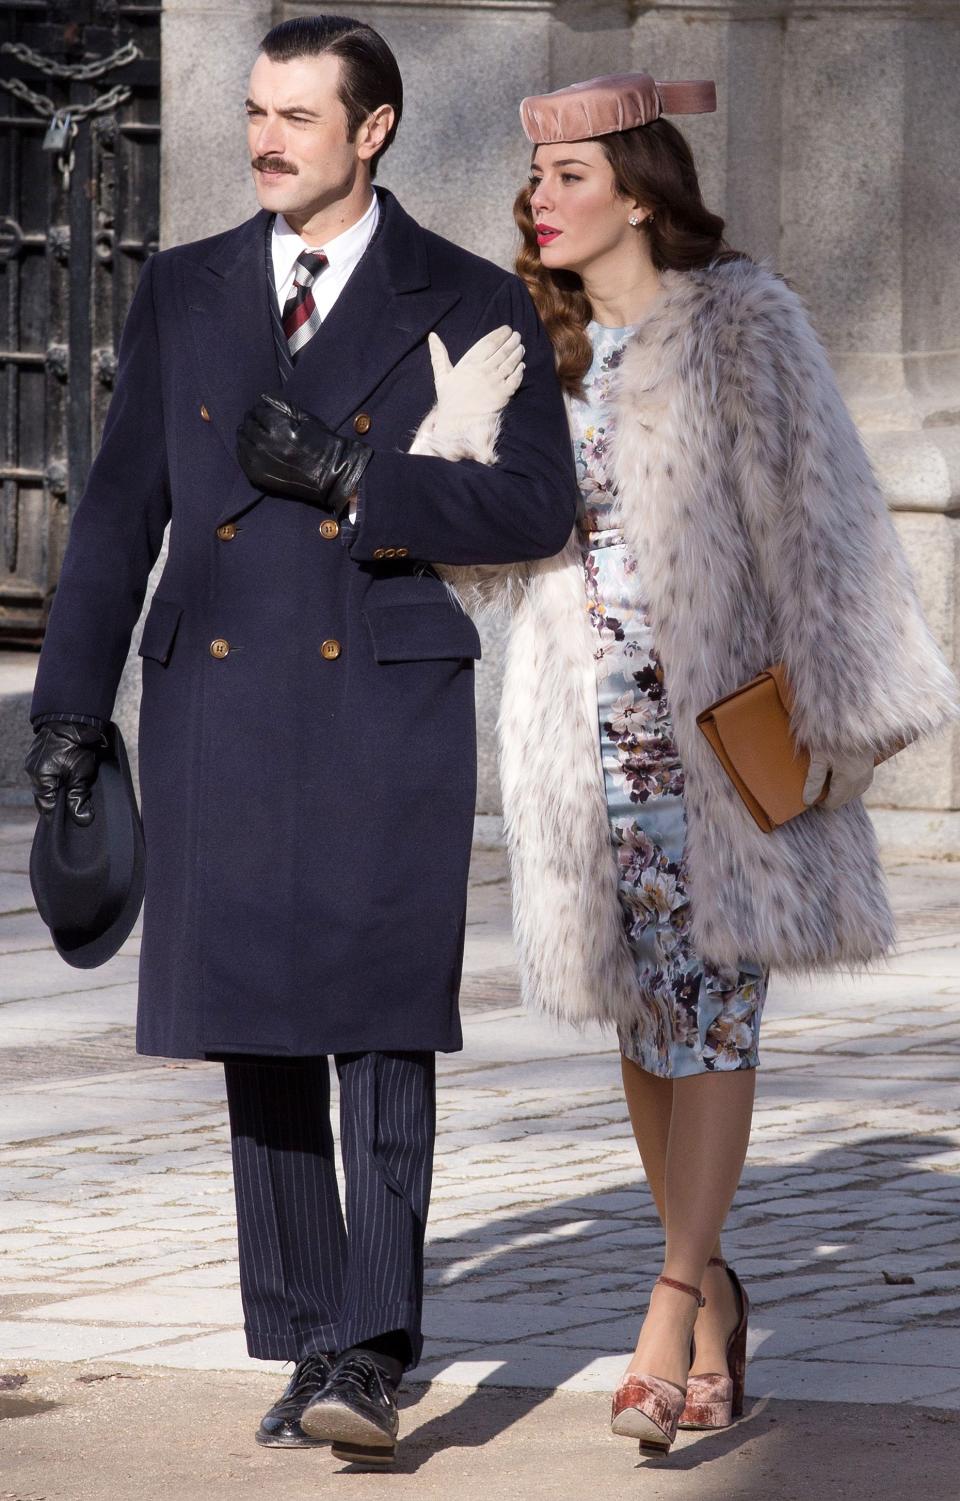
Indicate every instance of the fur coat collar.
{"type": "Point", "coordinates": [748, 502]}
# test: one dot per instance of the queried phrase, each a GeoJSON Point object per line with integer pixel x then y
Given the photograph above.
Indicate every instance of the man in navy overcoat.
{"type": "Point", "coordinates": [307, 739]}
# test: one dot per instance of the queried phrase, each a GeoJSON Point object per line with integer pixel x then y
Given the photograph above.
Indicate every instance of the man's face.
{"type": "Point", "coordinates": [301, 158]}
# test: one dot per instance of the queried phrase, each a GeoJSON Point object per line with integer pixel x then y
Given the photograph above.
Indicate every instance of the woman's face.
{"type": "Point", "coordinates": [578, 213]}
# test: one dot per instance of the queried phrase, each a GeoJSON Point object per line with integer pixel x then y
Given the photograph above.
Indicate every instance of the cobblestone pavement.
{"type": "Point", "coordinates": [116, 1215]}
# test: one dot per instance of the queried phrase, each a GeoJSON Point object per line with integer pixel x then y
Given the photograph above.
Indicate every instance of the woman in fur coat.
{"type": "Point", "coordinates": [729, 521]}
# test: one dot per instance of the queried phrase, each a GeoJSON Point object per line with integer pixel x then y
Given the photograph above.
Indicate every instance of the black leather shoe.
{"type": "Point", "coordinates": [280, 1427]}
{"type": "Point", "coordinates": [356, 1412]}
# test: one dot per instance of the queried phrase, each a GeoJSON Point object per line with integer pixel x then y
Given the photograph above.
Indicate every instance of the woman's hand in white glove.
{"type": "Point", "coordinates": [850, 776]}
{"type": "Point", "coordinates": [482, 382]}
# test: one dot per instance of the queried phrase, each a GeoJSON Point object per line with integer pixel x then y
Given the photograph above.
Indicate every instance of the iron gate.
{"type": "Point", "coordinates": [79, 213]}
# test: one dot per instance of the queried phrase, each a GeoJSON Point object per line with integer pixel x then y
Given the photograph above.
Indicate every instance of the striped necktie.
{"type": "Point", "coordinates": [300, 316]}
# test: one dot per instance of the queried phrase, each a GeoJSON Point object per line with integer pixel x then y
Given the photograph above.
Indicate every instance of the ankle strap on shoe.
{"type": "Point", "coordinates": [684, 1287]}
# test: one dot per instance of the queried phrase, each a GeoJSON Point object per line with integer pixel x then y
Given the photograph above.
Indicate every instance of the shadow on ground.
{"type": "Point", "coordinates": [781, 1284]}
{"type": "Point", "coordinates": [188, 1435]}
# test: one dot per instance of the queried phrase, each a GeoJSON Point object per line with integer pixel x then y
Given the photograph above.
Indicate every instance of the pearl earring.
{"type": "Point", "coordinates": [634, 221]}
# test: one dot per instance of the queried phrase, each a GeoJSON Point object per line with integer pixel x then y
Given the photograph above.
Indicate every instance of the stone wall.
{"type": "Point", "coordinates": [832, 155]}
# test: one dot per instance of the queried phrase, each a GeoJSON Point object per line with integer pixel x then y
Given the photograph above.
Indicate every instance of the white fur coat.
{"type": "Point", "coordinates": [745, 495]}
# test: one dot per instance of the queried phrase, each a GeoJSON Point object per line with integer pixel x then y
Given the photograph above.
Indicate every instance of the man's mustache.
{"type": "Point", "coordinates": [273, 164]}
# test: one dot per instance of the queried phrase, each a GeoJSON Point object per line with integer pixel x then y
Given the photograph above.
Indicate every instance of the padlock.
{"type": "Point", "coordinates": [57, 137]}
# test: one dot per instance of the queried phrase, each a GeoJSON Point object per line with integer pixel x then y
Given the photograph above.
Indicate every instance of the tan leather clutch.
{"type": "Point", "coordinates": [749, 732]}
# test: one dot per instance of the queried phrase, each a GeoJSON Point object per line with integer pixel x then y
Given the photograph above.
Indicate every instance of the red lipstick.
{"type": "Point", "coordinates": [546, 234]}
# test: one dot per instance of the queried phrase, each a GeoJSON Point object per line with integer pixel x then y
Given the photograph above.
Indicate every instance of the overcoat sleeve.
{"type": "Point", "coordinates": [116, 534]}
{"type": "Point", "coordinates": [865, 670]}
{"type": "Point", "coordinates": [466, 512]}
{"type": "Point", "coordinates": [483, 590]}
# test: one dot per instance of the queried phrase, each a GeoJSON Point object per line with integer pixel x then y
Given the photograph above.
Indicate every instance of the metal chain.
{"type": "Point", "coordinates": [63, 128]}
{"type": "Point", "coordinates": [39, 102]}
{"type": "Point", "coordinates": [83, 71]}
{"type": "Point", "coordinates": [117, 95]}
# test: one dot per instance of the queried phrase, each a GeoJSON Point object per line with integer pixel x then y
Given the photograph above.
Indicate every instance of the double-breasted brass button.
{"type": "Point", "coordinates": [362, 422]}
{"type": "Point", "coordinates": [379, 552]}
{"type": "Point", "coordinates": [389, 552]}
{"type": "Point", "coordinates": [219, 647]}
{"type": "Point", "coordinates": [330, 650]}
{"type": "Point", "coordinates": [403, 552]}
{"type": "Point", "coordinates": [204, 413]}
{"type": "Point", "coordinates": [329, 529]}
{"type": "Point", "coordinates": [227, 532]}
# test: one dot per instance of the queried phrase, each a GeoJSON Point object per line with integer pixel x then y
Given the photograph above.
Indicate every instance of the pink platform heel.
{"type": "Point", "coordinates": [714, 1400]}
{"type": "Point", "coordinates": [648, 1408]}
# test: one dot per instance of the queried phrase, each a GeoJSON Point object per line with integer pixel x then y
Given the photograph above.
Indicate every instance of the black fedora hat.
{"type": "Point", "coordinates": [88, 879]}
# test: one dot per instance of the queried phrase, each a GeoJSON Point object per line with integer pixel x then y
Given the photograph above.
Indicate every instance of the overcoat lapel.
{"type": "Point", "coordinates": [233, 334]}
{"type": "Point", "coordinates": [385, 310]}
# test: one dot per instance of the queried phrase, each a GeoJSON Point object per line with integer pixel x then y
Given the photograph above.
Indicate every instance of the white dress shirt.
{"type": "Point", "coordinates": [343, 253]}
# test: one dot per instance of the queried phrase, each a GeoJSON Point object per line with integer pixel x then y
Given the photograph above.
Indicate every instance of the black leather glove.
{"type": "Point", "coordinates": [286, 451]}
{"type": "Point", "coordinates": [64, 755]}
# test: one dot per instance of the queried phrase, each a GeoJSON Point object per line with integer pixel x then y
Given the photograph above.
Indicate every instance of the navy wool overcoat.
{"type": "Point", "coordinates": [307, 731]}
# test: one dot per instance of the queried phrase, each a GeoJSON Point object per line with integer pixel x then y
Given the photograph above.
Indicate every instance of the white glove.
{"type": "Point", "coordinates": [482, 382]}
{"type": "Point", "coordinates": [850, 776]}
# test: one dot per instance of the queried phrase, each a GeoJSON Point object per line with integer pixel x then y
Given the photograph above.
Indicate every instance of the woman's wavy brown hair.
{"type": "Point", "coordinates": [653, 165]}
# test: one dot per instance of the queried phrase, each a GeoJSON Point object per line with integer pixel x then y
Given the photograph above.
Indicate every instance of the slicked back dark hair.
{"type": "Point", "coordinates": [369, 75]}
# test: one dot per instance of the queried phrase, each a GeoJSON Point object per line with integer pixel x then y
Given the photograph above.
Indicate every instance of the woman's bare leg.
{"type": "Point", "coordinates": [650, 1103]}
{"type": "Point", "coordinates": [692, 1134]}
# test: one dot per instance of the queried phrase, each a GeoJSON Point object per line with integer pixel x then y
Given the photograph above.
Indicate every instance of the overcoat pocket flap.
{"type": "Point", "coordinates": [159, 630]}
{"type": "Point", "coordinates": [421, 632]}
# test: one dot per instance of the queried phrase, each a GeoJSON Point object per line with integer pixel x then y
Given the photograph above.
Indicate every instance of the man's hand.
{"type": "Point", "coordinates": [850, 776]}
{"type": "Point", "coordinates": [64, 755]}
{"type": "Point", "coordinates": [285, 451]}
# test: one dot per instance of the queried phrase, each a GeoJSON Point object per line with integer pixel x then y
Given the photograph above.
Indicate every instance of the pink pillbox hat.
{"type": "Point", "coordinates": [618, 101]}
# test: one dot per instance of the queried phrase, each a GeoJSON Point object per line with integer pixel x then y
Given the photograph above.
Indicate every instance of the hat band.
{"type": "Point", "coordinates": [692, 97]}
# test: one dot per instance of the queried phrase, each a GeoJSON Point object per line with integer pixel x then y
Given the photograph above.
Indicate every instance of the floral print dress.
{"type": "Point", "coordinates": [693, 1017]}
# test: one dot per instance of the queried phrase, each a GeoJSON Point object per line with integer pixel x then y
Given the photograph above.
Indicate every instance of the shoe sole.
{"type": "Point", "coordinates": [365, 1456]}
{"type": "Point", "coordinates": [336, 1423]}
{"type": "Point", "coordinates": [631, 1423]}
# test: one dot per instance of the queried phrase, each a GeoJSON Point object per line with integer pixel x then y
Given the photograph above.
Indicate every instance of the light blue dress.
{"type": "Point", "coordinates": [703, 1017]}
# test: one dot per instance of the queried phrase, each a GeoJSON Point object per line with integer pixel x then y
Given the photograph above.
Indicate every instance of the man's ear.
{"type": "Point", "coordinates": [374, 131]}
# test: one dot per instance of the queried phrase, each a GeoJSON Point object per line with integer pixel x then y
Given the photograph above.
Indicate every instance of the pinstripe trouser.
{"type": "Point", "coordinates": [308, 1281]}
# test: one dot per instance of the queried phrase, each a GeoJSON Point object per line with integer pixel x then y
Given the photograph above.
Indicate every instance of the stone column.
{"type": "Point", "coordinates": [208, 49]}
{"type": "Point", "coordinates": [870, 139]}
